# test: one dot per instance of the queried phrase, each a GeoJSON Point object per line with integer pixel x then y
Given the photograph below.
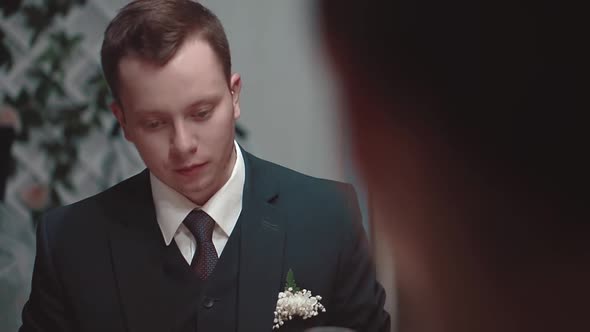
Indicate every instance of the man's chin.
{"type": "Point", "coordinates": [191, 188]}
{"type": "Point", "coordinates": [194, 191]}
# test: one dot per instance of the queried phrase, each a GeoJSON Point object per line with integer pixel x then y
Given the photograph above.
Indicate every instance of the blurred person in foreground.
{"type": "Point", "coordinates": [205, 238]}
{"type": "Point", "coordinates": [467, 125]}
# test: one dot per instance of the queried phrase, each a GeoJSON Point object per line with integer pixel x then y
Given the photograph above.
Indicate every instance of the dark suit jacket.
{"type": "Point", "coordinates": [98, 262]}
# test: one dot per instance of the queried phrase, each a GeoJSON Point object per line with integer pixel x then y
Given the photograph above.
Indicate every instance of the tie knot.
{"type": "Point", "coordinates": [201, 225]}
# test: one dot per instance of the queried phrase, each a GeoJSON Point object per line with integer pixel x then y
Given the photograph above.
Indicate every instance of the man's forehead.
{"type": "Point", "coordinates": [194, 54]}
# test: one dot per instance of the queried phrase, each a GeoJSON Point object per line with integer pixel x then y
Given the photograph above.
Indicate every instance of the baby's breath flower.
{"type": "Point", "coordinates": [299, 303]}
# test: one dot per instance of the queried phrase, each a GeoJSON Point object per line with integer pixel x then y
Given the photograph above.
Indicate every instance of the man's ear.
{"type": "Point", "coordinates": [117, 110]}
{"type": "Point", "coordinates": [235, 86]}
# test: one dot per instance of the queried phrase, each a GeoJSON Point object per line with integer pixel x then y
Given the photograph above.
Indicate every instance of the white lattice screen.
{"type": "Point", "coordinates": [103, 161]}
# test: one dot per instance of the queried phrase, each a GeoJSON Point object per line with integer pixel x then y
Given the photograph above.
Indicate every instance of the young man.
{"type": "Point", "coordinates": [467, 124]}
{"type": "Point", "coordinates": [205, 237]}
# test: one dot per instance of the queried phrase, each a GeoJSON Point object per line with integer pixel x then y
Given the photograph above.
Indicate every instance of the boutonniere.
{"type": "Point", "coordinates": [295, 302]}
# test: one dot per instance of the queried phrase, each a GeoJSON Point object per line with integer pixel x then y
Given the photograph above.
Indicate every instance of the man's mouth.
{"type": "Point", "coordinates": [191, 169]}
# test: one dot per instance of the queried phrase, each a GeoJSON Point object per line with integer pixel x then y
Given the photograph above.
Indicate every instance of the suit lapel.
{"type": "Point", "coordinates": [148, 289]}
{"type": "Point", "coordinates": [261, 249]}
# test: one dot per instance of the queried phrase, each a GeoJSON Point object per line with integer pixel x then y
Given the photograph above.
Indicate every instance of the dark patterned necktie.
{"type": "Point", "coordinates": [205, 257]}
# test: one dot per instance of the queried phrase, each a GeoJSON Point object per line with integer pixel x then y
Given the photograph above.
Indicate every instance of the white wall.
{"type": "Point", "coordinates": [286, 102]}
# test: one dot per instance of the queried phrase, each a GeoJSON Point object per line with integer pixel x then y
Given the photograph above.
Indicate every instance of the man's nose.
{"type": "Point", "coordinates": [183, 141]}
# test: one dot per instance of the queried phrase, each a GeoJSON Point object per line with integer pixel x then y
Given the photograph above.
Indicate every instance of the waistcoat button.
{"type": "Point", "coordinates": [208, 302]}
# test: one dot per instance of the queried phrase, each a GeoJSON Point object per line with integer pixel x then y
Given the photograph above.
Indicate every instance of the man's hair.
{"type": "Point", "coordinates": [154, 30]}
{"type": "Point", "coordinates": [500, 80]}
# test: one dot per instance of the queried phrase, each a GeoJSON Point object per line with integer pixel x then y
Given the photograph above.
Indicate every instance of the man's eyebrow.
{"type": "Point", "coordinates": [203, 101]}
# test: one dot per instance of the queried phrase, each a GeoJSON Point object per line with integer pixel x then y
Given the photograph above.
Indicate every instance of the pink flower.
{"type": "Point", "coordinates": [35, 197]}
{"type": "Point", "coordinates": [9, 117]}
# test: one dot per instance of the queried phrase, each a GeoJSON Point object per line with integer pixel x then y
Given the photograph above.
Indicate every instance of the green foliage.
{"type": "Point", "coordinates": [5, 55]}
{"type": "Point", "coordinates": [291, 281]}
{"type": "Point", "coordinates": [44, 104]}
{"type": "Point", "coordinates": [102, 95]}
{"type": "Point", "coordinates": [27, 107]}
{"type": "Point", "coordinates": [241, 131]}
{"type": "Point", "coordinates": [9, 7]}
{"type": "Point", "coordinates": [75, 120]}
{"type": "Point", "coordinates": [39, 18]}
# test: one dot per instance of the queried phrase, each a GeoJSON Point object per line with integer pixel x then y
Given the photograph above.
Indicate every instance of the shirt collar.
{"type": "Point", "coordinates": [224, 206]}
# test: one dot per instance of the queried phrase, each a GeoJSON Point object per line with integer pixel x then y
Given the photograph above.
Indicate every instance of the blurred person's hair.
{"type": "Point", "coordinates": [499, 80]}
{"type": "Point", "coordinates": [154, 30]}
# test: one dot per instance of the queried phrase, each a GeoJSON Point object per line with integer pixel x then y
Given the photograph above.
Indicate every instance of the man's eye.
{"type": "Point", "coordinates": [153, 124]}
{"type": "Point", "coordinates": [201, 115]}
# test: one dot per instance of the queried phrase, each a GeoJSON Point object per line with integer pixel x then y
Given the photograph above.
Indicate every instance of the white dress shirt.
{"type": "Point", "coordinates": [224, 207]}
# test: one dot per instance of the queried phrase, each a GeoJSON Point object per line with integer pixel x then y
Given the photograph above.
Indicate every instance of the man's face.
{"type": "Point", "coordinates": [181, 117]}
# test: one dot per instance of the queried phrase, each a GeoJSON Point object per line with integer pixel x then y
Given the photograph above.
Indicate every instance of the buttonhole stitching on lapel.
{"type": "Point", "coordinates": [270, 225]}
